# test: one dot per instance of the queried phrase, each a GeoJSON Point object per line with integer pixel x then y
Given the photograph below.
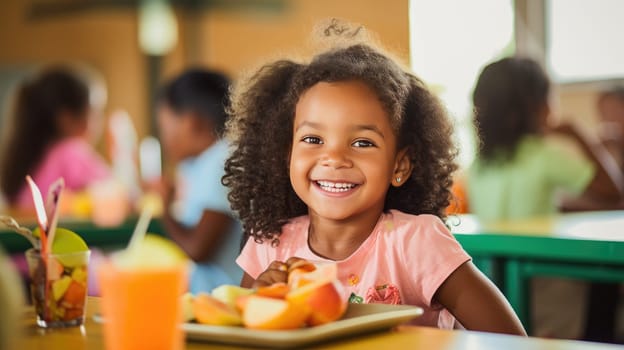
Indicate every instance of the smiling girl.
{"type": "Point", "coordinates": [348, 159]}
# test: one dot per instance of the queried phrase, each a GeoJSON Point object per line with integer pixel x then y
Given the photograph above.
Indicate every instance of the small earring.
{"type": "Point", "coordinates": [398, 179]}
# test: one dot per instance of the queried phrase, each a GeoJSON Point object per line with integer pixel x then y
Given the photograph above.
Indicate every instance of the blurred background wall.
{"type": "Point", "coordinates": [235, 35]}
{"type": "Point", "coordinates": [231, 38]}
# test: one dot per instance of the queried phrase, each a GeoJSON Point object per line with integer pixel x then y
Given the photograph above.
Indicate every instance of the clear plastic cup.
{"type": "Point", "coordinates": [58, 287]}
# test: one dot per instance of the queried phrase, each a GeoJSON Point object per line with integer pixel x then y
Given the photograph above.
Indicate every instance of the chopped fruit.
{"type": "Point", "coordinates": [79, 275]}
{"type": "Point", "coordinates": [59, 312]}
{"type": "Point", "coordinates": [241, 302]}
{"type": "Point", "coordinates": [209, 310]}
{"type": "Point", "coordinates": [59, 287]}
{"type": "Point", "coordinates": [301, 265]}
{"type": "Point", "coordinates": [187, 307]}
{"type": "Point", "coordinates": [269, 313]}
{"type": "Point", "coordinates": [322, 300]}
{"type": "Point", "coordinates": [75, 294]}
{"type": "Point", "coordinates": [299, 277]}
{"type": "Point", "coordinates": [228, 293]}
{"type": "Point", "coordinates": [312, 296]}
{"type": "Point", "coordinates": [55, 269]}
{"type": "Point", "coordinates": [276, 290]}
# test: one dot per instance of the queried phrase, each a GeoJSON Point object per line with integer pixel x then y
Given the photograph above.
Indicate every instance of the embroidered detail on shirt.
{"type": "Point", "coordinates": [355, 299]}
{"type": "Point", "coordinates": [353, 279]}
{"type": "Point", "coordinates": [383, 294]}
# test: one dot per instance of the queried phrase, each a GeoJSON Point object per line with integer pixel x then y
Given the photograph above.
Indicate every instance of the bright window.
{"type": "Point", "coordinates": [585, 39]}
{"type": "Point", "coordinates": [451, 41]}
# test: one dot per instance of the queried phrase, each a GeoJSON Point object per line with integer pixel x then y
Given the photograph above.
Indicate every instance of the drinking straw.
{"type": "Point", "coordinates": [141, 228]}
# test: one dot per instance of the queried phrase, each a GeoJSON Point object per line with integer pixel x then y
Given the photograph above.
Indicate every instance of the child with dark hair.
{"type": "Point", "coordinates": [192, 117]}
{"type": "Point", "coordinates": [49, 137]}
{"type": "Point", "coordinates": [525, 167]}
{"type": "Point", "coordinates": [519, 171]}
{"type": "Point", "coordinates": [348, 158]}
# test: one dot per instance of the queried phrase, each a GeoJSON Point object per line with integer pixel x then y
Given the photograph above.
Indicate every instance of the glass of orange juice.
{"type": "Point", "coordinates": [136, 289]}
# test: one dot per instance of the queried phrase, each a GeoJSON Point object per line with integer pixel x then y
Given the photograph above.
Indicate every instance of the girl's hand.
{"type": "Point", "coordinates": [276, 272]}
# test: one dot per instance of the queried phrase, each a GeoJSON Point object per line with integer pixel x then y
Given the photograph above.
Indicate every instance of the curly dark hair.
{"type": "Point", "coordinates": [508, 98]}
{"type": "Point", "coordinates": [261, 130]}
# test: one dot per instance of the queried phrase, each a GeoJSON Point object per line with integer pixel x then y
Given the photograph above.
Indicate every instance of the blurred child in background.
{"type": "Point", "coordinates": [49, 137]}
{"type": "Point", "coordinates": [523, 165]}
{"type": "Point", "coordinates": [197, 213]}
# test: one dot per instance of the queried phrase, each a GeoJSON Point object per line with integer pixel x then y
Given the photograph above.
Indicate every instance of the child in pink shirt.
{"type": "Point", "coordinates": [349, 158]}
{"type": "Point", "coordinates": [49, 138]}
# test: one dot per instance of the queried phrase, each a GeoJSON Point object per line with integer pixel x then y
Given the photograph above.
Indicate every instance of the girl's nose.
{"type": "Point", "coordinates": [336, 158]}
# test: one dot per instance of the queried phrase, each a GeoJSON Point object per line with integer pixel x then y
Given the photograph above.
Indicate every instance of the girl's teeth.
{"type": "Point", "coordinates": [335, 186]}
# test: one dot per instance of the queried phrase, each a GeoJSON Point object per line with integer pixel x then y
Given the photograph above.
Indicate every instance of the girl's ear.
{"type": "Point", "coordinates": [402, 168]}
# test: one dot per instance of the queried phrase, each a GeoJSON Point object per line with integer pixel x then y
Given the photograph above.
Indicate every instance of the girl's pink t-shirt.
{"type": "Point", "coordinates": [75, 160]}
{"type": "Point", "coordinates": [404, 261]}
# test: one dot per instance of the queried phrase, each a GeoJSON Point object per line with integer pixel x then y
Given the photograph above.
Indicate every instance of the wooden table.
{"type": "Point", "coordinates": [90, 337]}
{"type": "Point", "coordinates": [587, 246]}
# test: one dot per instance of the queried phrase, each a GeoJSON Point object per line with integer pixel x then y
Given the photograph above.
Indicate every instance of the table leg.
{"type": "Point", "coordinates": [517, 289]}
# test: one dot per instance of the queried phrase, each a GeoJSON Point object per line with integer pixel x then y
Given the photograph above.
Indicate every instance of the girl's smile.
{"type": "Point", "coordinates": [336, 189]}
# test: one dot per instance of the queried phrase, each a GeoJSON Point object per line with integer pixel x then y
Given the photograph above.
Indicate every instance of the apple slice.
{"type": "Point", "coordinates": [322, 300]}
{"type": "Point", "coordinates": [270, 313]}
{"type": "Point", "coordinates": [302, 265]}
{"type": "Point", "coordinates": [228, 293]}
{"type": "Point", "coordinates": [299, 277]}
{"type": "Point", "coordinates": [187, 307]}
{"type": "Point", "coordinates": [209, 310]}
{"type": "Point", "coordinates": [276, 290]}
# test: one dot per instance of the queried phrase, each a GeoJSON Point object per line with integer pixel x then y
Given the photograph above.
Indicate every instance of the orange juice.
{"type": "Point", "coordinates": [141, 307]}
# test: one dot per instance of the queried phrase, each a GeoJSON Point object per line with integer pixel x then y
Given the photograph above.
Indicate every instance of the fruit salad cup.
{"type": "Point", "coordinates": [58, 287]}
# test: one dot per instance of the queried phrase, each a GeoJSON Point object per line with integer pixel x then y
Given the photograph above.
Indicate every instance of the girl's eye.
{"type": "Point", "coordinates": [363, 143]}
{"type": "Point", "coordinates": [312, 139]}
